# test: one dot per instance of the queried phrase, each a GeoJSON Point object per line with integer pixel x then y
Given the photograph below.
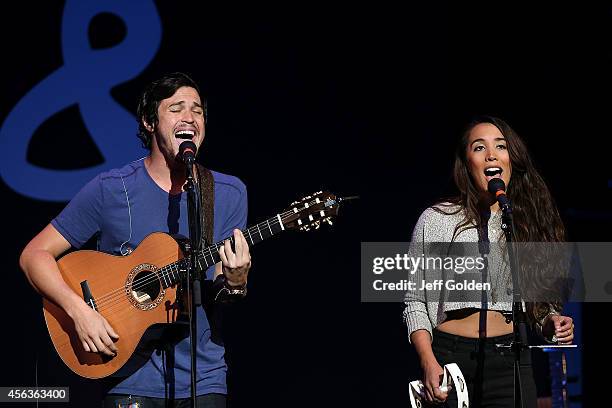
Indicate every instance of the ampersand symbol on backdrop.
{"type": "Point", "coordinates": [85, 79]}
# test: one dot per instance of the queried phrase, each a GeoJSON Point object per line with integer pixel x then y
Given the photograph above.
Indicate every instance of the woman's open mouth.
{"type": "Point", "coordinates": [493, 172]}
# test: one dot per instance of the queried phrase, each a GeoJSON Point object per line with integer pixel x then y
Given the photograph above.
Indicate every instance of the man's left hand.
{"type": "Point", "coordinates": [236, 265]}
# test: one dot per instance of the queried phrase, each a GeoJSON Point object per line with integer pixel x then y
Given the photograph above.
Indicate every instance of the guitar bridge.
{"type": "Point", "coordinates": [87, 297]}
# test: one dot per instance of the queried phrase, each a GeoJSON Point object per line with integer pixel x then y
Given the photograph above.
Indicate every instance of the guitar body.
{"type": "Point", "coordinates": [129, 291]}
{"type": "Point", "coordinates": [137, 293]}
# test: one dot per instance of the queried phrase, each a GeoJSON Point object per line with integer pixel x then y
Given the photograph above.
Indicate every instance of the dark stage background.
{"type": "Point", "coordinates": [358, 100]}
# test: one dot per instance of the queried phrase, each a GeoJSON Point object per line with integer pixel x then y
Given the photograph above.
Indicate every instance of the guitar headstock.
{"type": "Point", "coordinates": [311, 211]}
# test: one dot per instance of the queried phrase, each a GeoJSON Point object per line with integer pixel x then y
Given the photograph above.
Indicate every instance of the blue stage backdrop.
{"type": "Point", "coordinates": [358, 100]}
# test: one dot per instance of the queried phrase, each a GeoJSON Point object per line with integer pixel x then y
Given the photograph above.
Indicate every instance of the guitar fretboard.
{"type": "Point", "coordinates": [171, 274]}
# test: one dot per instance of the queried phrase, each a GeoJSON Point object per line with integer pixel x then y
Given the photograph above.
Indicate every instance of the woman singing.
{"type": "Point", "coordinates": [465, 331]}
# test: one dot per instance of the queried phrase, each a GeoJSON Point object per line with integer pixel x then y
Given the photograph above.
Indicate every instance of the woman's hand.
{"type": "Point", "coordinates": [433, 374]}
{"type": "Point", "coordinates": [561, 326]}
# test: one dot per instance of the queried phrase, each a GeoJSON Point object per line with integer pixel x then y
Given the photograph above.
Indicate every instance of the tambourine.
{"type": "Point", "coordinates": [452, 372]}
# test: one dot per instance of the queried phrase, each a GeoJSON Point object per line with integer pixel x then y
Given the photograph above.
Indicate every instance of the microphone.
{"type": "Point", "coordinates": [187, 152]}
{"type": "Point", "coordinates": [497, 187]}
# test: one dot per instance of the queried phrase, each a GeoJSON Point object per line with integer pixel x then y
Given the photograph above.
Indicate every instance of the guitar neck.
{"type": "Point", "coordinates": [308, 213]}
{"type": "Point", "coordinates": [253, 235]}
{"type": "Point", "coordinates": [210, 255]}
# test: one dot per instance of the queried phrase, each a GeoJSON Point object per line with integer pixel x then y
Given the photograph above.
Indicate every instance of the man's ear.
{"type": "Point", "coordinates": [147, 126]}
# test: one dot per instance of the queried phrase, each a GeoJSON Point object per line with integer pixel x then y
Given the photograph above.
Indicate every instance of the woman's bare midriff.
{"type": "Point", "coordinates": [466, 323]}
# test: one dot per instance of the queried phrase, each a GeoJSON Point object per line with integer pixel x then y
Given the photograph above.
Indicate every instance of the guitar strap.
{"type": "Point", "coordinates": [207, 198]}
{"type": "Point", "coordinates": [214, 311]}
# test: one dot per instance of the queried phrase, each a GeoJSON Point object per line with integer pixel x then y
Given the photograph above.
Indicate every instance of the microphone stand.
{"type": "Point", "coordinates": [520, 341]}
{"type": "Point", "coordinates": [194, 272]}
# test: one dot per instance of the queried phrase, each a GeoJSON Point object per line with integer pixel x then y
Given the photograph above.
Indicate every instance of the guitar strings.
{"type": "Point", "coordinates": [163, 273]}
{"type": "Point", "coordinates": [104, 300]}
{"type": "Point", "coordinates": [107, 300]}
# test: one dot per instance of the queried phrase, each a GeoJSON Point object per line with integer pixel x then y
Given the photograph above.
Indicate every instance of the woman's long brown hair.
{"type": "Point", "coordinates": [536, 218]}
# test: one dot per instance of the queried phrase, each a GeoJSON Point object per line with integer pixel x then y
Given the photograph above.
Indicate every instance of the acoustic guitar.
{"type": "Point", "coordinates": [137, 293]}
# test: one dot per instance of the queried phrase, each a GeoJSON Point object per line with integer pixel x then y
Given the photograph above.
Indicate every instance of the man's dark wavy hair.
{"type": "Point", "coordinates": [153, 94]}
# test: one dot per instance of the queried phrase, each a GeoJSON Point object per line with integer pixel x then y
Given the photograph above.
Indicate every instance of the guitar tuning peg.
{"type": "Point", "coordinates": [317, 224]}
{"type": "Point", "coordinates": [329, 221]}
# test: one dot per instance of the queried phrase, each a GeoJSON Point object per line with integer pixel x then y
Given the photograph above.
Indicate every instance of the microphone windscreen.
{"type": "Point", "coordinates": [187, 151]}
{"type": "Point", "coordinates": [496, 184]}
{"type": "Point", "coordinates": [187, 145]}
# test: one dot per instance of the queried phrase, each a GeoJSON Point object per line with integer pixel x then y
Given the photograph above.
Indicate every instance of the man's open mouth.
{"type": "Point", "coordinates": [185, 134]}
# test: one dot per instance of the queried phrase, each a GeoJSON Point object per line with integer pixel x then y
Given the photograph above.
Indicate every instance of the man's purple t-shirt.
{"type": "Point", "coordinates": [102, 207]}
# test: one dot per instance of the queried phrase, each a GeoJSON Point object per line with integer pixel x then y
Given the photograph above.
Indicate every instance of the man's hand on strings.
{"type": "Point", "coordinates": [94, 331]}
{"type": "Point", "coordinates": [236, 264]}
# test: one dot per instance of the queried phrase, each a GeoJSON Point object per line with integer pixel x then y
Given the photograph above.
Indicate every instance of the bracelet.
{"type": "Point", "coordinates": [551, 313]}
{"type": "Point", "coordinates": [239, 290]}
{"type": "Point", "coordinates": [226, 293]}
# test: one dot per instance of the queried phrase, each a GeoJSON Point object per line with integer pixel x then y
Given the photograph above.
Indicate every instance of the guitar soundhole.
{"type": "Point", "coordinates": [144, 288]}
